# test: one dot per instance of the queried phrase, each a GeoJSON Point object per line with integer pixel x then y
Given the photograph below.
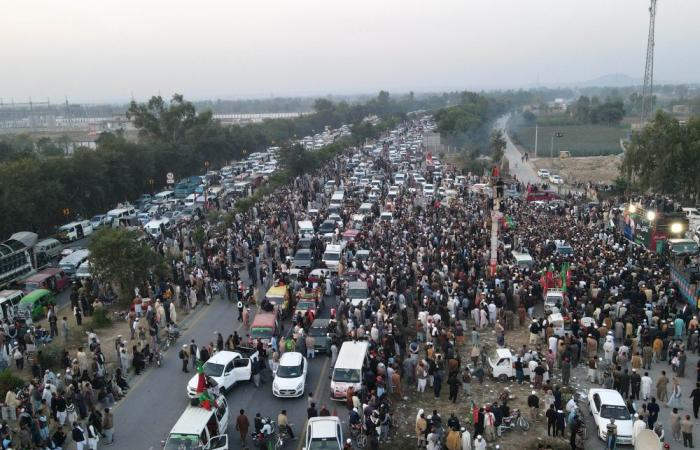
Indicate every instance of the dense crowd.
{"type": "Point", "coordinates": [432, 297]}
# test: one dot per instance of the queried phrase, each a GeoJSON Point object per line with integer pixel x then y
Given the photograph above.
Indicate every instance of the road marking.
{"type": "Point", "coordinates": [321, 378]}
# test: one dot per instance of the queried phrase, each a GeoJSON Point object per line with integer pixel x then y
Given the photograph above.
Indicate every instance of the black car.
{"type": "Point", "coordinates": [320, 330]}
{"type": "Point", "coordinates": [328, 226]}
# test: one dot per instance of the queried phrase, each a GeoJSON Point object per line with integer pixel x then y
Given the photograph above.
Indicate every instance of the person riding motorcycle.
{"type": "Point", "coordinates": [355, 420]}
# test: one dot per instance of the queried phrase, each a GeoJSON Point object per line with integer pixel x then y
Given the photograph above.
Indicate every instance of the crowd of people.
{"type": "Point", "coordinates": [433, 300]}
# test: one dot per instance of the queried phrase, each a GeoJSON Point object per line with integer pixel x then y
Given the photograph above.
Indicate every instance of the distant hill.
{"type": "Point", "coordinates": [610, 80]}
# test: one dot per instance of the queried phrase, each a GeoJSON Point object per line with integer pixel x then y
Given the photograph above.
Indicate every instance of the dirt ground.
{"type": "Point", "coordinates": [600, 169]}
{"type": "Point", "coordinates": [486, 393]}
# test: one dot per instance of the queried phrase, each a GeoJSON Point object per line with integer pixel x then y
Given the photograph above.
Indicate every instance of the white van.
{"type": "Point", "coordinates": [349, 369]}
{"type": "Point", "coordinates": [163, 197]}
{"type": "Point", "coordinates": [120, 213]}
{"type": "Point", "coordinates": [331, 257]}
{"type": "Point", "coordinates": [201, 428]}
{"type": "Point", "coordinates": [70, 263]}
{"type": "Point", "coordinates": [366, 209]}
{"type": "Point", "coordinates": [156, 227]}
{"type": "Point", "coordinates": [74, 231]}
{"type": "Point", "coordinates": [9, 299]}
{"type": "Point", "coordinates": [338, 198]}
{"type": "Point", "coordinates": [305, 228]}
{"type": "Point", "coordinates": [50, 247]}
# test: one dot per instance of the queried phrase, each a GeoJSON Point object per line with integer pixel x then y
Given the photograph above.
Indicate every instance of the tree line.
{"type": "Point", "coordinates": [665, 158]}
{"type": "Point", "coordinates": [592, 110]}
{"type": "Point", "coordinates": [37, 186]}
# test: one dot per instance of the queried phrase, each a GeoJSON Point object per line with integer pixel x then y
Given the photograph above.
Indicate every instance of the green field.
{"type": "Point", "coordinates": [580, 140]}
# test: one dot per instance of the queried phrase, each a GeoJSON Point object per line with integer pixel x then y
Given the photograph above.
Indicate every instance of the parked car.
{"type": "Point", "coordinates": [543, 173]}
{"type": "Point", "coordinates": [556, 179]}
{"type": "Point", "coordinates": [606, 404]}
{"type": "Point", "coordinates": [226, 368]}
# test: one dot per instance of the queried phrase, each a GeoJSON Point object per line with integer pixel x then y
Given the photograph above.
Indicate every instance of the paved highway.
{"type": "Point", "coordinates": [157, 397]}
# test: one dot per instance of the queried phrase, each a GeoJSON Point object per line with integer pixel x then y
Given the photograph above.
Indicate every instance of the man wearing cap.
{"type": "Point", "coordinates": [466, 439]}
{"type": "Point", "coordinates": [533, 402]}
{"type": "Point", "coordinates": [479, 443]}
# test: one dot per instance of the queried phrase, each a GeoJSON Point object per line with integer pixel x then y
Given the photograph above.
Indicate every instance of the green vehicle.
{"type": "Point", "coordinates": [36, 304]}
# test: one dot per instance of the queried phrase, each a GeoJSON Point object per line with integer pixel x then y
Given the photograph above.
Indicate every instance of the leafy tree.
{"type": "Point", "coordinates": [529, 117]}
{"type": "Point", "coordinates": [295, 159]}
{"type": "Point", "coordinates": [665, 157]}
{"type": "Point", "coordinates": [118, 256]}
{"type": "Point", "coordinates": [498, 145]}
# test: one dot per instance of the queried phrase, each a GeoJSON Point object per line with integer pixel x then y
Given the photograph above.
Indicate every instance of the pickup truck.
{"type": "Point", "coordinates": [226, 368]}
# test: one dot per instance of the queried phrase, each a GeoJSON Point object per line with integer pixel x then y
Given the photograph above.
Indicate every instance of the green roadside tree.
{"type": "Point", "coordinates": [118, 256]}
{"type": "Point", "coordinates": [498, 145]}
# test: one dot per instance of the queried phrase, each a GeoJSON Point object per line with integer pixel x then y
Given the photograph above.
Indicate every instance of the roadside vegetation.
{"type": "Point", "coordinates": [665, 158]}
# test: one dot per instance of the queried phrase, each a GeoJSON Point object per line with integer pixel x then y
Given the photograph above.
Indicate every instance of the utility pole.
{"type": "Point", "coordinates": [648, 89]}
{"type": "Point", "coordinates": [536, 132]}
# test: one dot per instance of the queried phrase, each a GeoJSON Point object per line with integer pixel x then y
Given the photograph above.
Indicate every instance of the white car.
{"type": "Point", "coordinates": [428, 190]}
{"type": "Point", "coordinates": [543, 173]}
{"type": "Point", "coordinates": [226, 369]}
{"type": "Point", "coordinates": [324, 433]}
{"type": "Point", "coordinates": [606, 404]}
{"type": "Point", "coordinates": [290, 377]}
{"type": "Point", "coordinates": [556, 179]}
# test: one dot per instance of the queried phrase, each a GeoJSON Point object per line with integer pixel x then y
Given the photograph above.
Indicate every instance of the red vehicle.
{"type": "Point", "coordinates": [545, 196]}
{"type": "Point", "coordinates": [53, 279]}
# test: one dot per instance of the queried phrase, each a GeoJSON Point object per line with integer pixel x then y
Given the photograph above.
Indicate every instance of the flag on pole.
{"type": "Point", "coordinates": [565, 276]}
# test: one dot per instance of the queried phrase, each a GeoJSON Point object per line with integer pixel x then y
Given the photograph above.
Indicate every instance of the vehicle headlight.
{"type": "Point", "coordinates": [301, 385]}
{"type": "Point", "coordinates": [275, 387]}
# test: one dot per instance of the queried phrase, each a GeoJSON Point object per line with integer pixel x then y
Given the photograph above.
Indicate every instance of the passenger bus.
{"type": "Point", "coordinates": [16, 257]}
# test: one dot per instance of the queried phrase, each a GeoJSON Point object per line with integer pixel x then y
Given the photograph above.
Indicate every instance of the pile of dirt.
{"type": "Point", "coordinates": [598, 169]}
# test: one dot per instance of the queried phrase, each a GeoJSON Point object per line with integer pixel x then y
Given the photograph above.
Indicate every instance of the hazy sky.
{"type": "Point", "coordinates": [105, 50]}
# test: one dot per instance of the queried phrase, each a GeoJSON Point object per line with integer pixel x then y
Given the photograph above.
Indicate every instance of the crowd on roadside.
{"type": "Point", "coordinates": [431, 297]}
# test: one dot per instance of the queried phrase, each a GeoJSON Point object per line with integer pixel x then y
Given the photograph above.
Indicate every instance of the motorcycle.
{"type": "Point", "coordinates": [514, 420]}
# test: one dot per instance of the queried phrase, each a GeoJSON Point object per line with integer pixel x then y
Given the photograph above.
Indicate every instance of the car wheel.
{"type": "Point", "coordinates": [503, 377]}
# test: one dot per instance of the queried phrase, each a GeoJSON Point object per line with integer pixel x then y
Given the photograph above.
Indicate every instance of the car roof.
{"type": "Point", "coordinates": [324, 427]}
{"type": "Point", "coordinates": [608, 396]}
{"type": "Point", "coordinates": [318, 323]}
{"type": "Point", "coordinates": [222, 357]}
{"type": "Point", "coordinates": [503, 353]}
{"type": "Point", "coordinates": [290, 359]}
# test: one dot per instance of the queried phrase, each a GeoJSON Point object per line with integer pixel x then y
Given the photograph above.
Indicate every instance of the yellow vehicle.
{"type": "Point", "coordinates": [278, 296]}
{"type": "Point", "coordinates": [564, 154]}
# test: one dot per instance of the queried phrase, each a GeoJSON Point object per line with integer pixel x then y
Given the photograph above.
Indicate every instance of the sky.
{"type": "Point", "coordinates": [103, 50]}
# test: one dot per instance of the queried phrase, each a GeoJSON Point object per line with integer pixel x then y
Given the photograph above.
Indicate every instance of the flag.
{"type": "Point", "coordinates": [511, 223]}
{"type": "Point", "coordinates": [565, 276]}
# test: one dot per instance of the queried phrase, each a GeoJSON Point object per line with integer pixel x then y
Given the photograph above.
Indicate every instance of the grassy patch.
{"type": "Point", "coordinates": [580, 140]}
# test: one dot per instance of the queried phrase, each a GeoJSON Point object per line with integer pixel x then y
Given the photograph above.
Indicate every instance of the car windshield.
{"type": "Point", "coordinates": [615, 412]}
{"type": "Point", "coordinates": [332, 256]}
{"type": "Point", "coordinates": [306, 305]}
{"type": "Point", "coordinates": [346, 375]}
{"type": "Point", "coordinates": [317, 332]}
{"type": "Point", "coordinates": [289, 371]}
{"type": "Point", "coordinates": [261, 332]}
{"type": "Point", "coordinates": [357, 293]}
{"type": "Point", "coordinates": [182, 442]}
{"type": "Point", "coordinates": [323, 444]}
{"type": "Point", "coordinates": [213, 370]}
